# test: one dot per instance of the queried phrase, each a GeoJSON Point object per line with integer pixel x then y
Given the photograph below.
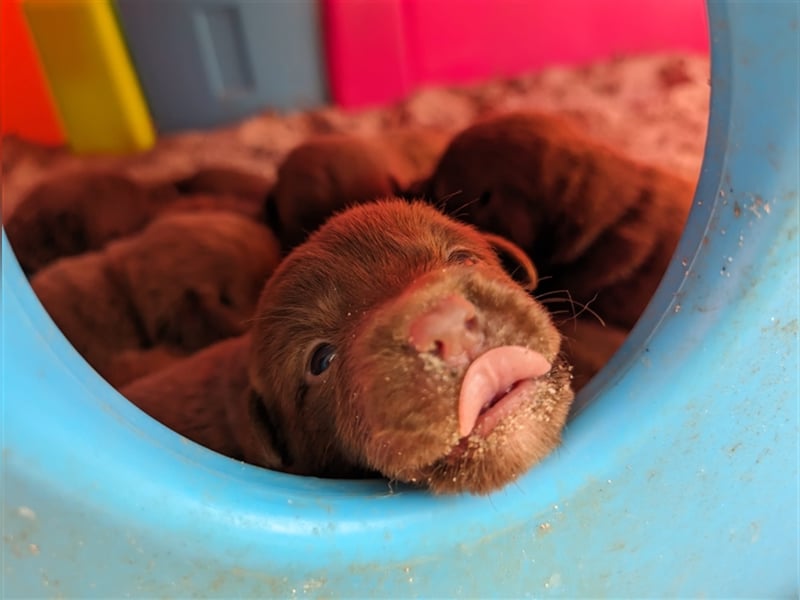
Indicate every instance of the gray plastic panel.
{"type": "Point", "coordinates": [203, 63]}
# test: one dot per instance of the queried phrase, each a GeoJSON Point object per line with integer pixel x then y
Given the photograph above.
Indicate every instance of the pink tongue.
{"type": "Point", "coordinates": [492, 373]}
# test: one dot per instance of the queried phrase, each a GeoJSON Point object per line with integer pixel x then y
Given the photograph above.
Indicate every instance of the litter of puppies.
{"type": "Point", "coordinates": [335, 305]}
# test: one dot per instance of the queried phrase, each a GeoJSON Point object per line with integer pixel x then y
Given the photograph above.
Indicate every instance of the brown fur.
{"type": "Point", "coordinates": [203, 397]}
{"type": "Point", "coordinates": [327, 173]}
{"type": "Point", "coordinates": [184, 282]}
{"type": "Point", "coordinates": [129, 365]}
{"type": "Point", "coordinates": [74, 213]}
{"type": "Point", "coordinates": [84, 210]}
{"type": "Point", "coordinates": [222, 180]}
{"type": "Point", "coordinates": [381, 406]}
{"type": "Point", "coordinates": [595, 222]}
{"type": "Point", "coordinates": [198, 202]}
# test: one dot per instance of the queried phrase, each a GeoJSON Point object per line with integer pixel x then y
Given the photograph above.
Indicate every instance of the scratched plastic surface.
{"type": "Point", "coordinates": [679, 479]}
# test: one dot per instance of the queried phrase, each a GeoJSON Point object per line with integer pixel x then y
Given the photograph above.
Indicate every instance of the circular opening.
{"type": "Point", "coordinates": [606, 512]}
{"type": "Point", "coordinates": [672, 75]}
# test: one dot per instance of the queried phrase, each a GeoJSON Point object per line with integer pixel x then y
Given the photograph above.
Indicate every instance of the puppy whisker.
{"type": "Point", "coordinates": [550, 297]}
{"type": "Point", "coordinates": [441, 202]}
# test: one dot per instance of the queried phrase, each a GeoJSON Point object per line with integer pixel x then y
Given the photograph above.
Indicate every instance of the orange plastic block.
{"type": "Point", "coordinates": [91, 75]}
{"type": "Point", "coordinates": [26, 107]}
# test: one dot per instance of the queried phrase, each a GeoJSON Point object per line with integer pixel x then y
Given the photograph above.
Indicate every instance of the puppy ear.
{"type": "Point", "coordinates": [514, 260]}
{"type": "Point", "coordinates": [268, 443]}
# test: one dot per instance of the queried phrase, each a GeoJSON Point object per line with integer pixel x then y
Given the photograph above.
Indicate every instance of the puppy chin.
{"type": "Point", "coordinates": [482, 464]}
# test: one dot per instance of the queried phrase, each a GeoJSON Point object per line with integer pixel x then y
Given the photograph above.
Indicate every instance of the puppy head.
{"type": "Point", "coordinates": [508, 175]}
{"type": "Point", "coordinates": [194, 278]}
{"type": "Point", "coordinates": [540, 181]}
{"type": "Point", "coordinates": [394, 341]}
{"type": "Point", "coordinates": [74, 213]}
{"type": "Point", "coordinates": [321, 177]}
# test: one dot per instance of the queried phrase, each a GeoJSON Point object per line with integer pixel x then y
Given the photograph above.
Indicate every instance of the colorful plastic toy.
{"type": "Point", "coordinates": [90, 74]}
{"type": "Point", "coordinates": [228, 59]}
{"type": "Point", "coordinates": [27, 108]}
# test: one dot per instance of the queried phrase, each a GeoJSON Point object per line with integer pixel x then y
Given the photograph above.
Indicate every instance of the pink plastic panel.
{"type": "Point", "coordinates": [365, 50]}
{"type": "Point", "coordinates": [379, 50]}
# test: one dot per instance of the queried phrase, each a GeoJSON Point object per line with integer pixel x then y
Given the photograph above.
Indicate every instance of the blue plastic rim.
{"type": "Point", "coordinates": [679, 478]}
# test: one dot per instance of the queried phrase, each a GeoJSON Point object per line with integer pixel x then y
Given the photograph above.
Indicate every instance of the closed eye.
{"type": "Point", "coordinates": [461, 256]}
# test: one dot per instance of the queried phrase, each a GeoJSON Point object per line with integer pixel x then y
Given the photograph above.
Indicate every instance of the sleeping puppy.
{"type": "Point", "coordinates": [204, 397]}
{"type": "Point", "coordinates": [184, 282]}
{"type": "Point", "coordinates": [225, 181]}
{"type": "Point", "coordinates": [330, 172]}
{"type": "Point", "coordinates": [221, 188]}
{"type": "Point", "coordinates": [83, 211]}
{"type": "Point", "coordinates": [74, 213]}
{"type": "Point", "coordinates": [595, 222]}
{"type": "Point", "coordinates": [393, 342]}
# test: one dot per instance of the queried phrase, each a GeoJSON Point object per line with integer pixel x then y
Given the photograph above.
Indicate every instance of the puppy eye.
{"type": "Point", "coordinates": [462, 257]}
{"type": "Point", "coordinates": [485, 198]}
{"type": "Point", "coordinates": [321, 359]}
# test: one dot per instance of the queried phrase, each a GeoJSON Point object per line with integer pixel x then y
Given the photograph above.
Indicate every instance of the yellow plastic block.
{"type": "Point", "coordinates": [90, 74]}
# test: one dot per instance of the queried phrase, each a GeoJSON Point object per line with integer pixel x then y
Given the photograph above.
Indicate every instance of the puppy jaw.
{"type": "Point", "coordinates": [382, 406]}
{"type": "Point", "coordinates": [483, 464]}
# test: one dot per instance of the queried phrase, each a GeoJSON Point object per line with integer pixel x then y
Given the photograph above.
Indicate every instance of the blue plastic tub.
{"type": "Point", "coordinates": [679, 478]}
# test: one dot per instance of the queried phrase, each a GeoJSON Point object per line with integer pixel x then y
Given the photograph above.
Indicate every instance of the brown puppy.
{"type": "Point", "coordinates": [75, 213]}
{"type": "Point", "coordinates": [219, 188]}
{"type": "Point", "coordinates": [184, 282]}
{"type": "Point", "coordinates": [595, 222]}
{"type": "Point", "coordinates": [203, 397]}
{"type": "Point", "coordinates": [129, 365]}
{"type": "Point", "coordinates": [392, 341]}
{"type": "Point", "coordinates": [84, 210]}
{"type": "Point", "coordinates": [224, 180]}
{"type": "Point", "coordinates": [330, 172]}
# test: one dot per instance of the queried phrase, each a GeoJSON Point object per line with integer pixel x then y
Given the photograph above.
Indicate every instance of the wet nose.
{"type": "Point", "coordinates": [449, 330]}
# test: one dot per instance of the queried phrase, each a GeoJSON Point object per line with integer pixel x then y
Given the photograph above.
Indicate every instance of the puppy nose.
{"type": "Point", "coordinates": [450, 330]}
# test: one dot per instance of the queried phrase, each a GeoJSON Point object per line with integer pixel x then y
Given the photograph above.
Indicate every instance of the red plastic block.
{"type": "Point", "coordinates": [26, 107]}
